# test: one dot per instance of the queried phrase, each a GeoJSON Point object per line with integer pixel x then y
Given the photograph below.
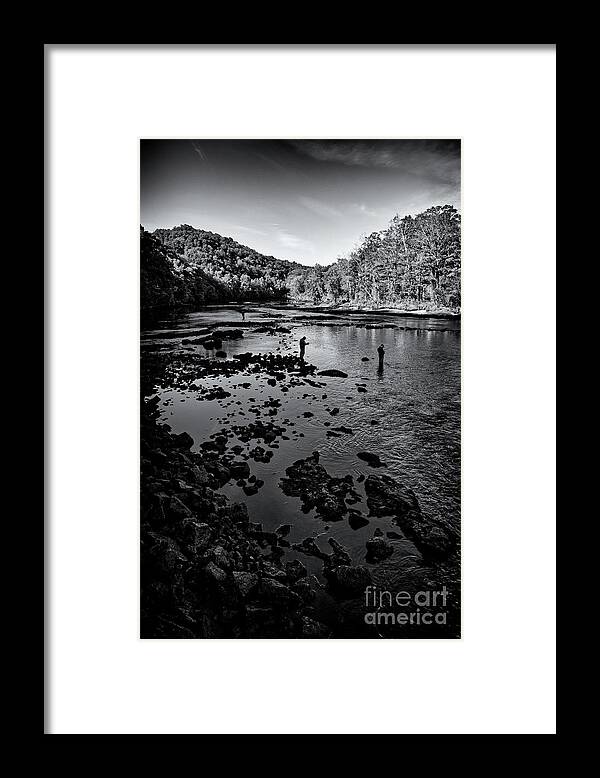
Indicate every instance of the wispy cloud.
{"type": "Point", "coordinates": [251, 230]}
{"type": "Point", "coordinates": [365, 210]}
{"type": "Point", "coordinates": [288, 240]}
{"type": "Point", "coordinates": [437, 159]}
{"type": "Point", "coordinates": [320, 208]}
{"type": "Point", "coordinates": [199, 151]}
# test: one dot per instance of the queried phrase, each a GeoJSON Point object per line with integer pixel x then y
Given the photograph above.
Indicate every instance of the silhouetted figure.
{"type": "Point", "coordinates": [242, 312]}
{"type": "Point", "coordinates": [303, 344]}
{"type": "Point", "coordinates": [381, 352]}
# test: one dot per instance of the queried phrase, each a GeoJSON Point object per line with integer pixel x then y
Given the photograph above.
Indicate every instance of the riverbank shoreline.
{"type": "Point", "coordinates": [349, 310]}
{"type": "Point", "coordinates": [148, 315]}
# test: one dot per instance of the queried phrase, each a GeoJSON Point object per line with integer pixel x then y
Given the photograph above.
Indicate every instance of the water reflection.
{"type": "Point", "coordinates": [407, 411]}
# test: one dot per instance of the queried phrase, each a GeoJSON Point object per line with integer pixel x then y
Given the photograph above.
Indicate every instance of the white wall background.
{"type": "Point", "coordinates": [499, 678]}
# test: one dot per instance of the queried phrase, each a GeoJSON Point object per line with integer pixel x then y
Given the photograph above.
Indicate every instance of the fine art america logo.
{"type": "Point", "coordinates": [403, 608]}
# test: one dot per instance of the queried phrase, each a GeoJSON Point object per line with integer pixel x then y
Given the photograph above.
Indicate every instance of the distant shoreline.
{"type": "Point", "coordinates": [377, 311]}
{"type": "Point", "coordinates": [291, 305]}
{"type": "Point", "coordinates": [347, 310]}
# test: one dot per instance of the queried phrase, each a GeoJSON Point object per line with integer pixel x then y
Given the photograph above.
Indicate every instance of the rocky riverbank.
{"type": "Point", "coordinates": [207, 569]}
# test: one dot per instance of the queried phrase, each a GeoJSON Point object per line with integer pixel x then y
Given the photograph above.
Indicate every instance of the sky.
{"type": "Point", "coordinates": [310, 201]}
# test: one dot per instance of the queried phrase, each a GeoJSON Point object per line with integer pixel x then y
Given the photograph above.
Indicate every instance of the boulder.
{"type": "Point", "coordinates": [239, 469]}
{"type": "Point", "coordinates": [371, 459]}
{"type": "Point", "coordinates": [193, 535]}
{"type": "Point", "coordinates": [309, 481]}
{"type": "Point", "coordinates": [388, 497]}
{"type": "Point", "coordinates": [314, 629]}
{"type": "Point", "coordinates": [244, 582]}
{"type": "Point", "coordinates": [333, 373]}
{"type": "Point", "coordinates": [178, 510]}
{"type": "Point", "coordinates": [378, 549]}
{"type": "Point", "coordinates": [278, 595]}
{"type": "Point", "coordinates": [348, 580]}
{"type": "Point", "coordinates": [183, 440]}
{"type": "Point", "coordinates": [215, 573]}
{"type": "Point", "coordinates": [295, 570]}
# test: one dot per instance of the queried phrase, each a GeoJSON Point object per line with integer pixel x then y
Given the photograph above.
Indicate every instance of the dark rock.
{"type": "Point", "coordinates": [179, 510]}
{"type": "Point", "coordinates": [309, 481]}
{"type": "Point", "coordinates": [295, 570]}
{"type": "Point", "coordinates": [378, 549]}
{"type": "Point", "coordinates": [357, 521]}
{"type": "Point", "coordinates": [278, 595]}
{"type": "Point", "coordinates": [339, 556]}
{"type": "Point", "coordinates": [284, 530]}
{"type": "Point", "coordinates": [314, 629]}
{"type": "Point", "coordinates": [214, 573]}
{"type": "Point", "coordinates": [371, 459]}
{"type": "Point", "coordinates": [245, 582]}
{"type": "Point", "coordinates": [228, 334]}
{"type": "Point", "coordinates": [239, 513]}
{"type": "Point", "coordinates": [193, 535]}
{"type": "Point", "coordinates": [333, 373]}
{"type": "Point", "coordinates": [220, 557]}
{"type": "Point", "coordinates": [388, 497]}
{"type": "Point", "coordinates": [239, 469]}
{"type": "Point", "coordinates": [348, 580]}
{"type": "Point", "coordinates": [166, 554]}
{"type": "Point", "coordinates": [310, 548]}
{"type": "Point", "coordinates": [183, 440]}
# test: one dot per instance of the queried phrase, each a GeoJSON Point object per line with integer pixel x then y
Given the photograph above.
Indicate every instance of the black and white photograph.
{"type": "Point", "coordinates": [300, 381]}
{"type": "Point", "coordinates": [300, 389]}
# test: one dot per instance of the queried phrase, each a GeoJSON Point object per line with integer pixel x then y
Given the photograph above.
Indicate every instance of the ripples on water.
{"type": "Point", "coordinates": [415, 404]}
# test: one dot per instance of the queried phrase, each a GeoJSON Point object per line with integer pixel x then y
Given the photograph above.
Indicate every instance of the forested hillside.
{"type": "Point", "coordinates": [168, 282]}
{"type": "Point", "coordinates": [242, 271]}
{"type": "Point", "coordinates": [415, 262]}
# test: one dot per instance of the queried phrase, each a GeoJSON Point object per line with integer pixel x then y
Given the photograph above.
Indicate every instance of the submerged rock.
{"type": "Point", "coordinates": [333, 373]}
{"type": "Point", "coordinates": [349, 581]}
{"type": "Point", "coordinates": [371, 459]}
{"type": "Point", "coordinates": [388, 497]}
{"type": "Point", "coordinates": [357, 521]}
{"type": "Point", "coordinates": [378, 548]}
{"type": "Point", "coordinates": [239, 469]}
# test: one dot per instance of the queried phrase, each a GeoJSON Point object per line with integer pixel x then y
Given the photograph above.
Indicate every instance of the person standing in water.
{"type": "Point", "coordinates": [381, 352]}
{"type": "Point", "coordinates": [303, 344]}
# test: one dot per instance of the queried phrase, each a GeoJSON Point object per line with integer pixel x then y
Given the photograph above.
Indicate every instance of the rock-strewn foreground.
{"type": "Point", "coordinates": [208, 571]}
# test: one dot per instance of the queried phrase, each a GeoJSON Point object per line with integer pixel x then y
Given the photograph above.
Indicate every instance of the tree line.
{"type": "Point", "coordinates": [414, 262]}
{"type": "Point", "coordinates": [240, 271]}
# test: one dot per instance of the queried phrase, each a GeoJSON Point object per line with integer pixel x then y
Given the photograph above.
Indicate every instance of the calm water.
{"type": "Point", "coordinates": [416, 404]}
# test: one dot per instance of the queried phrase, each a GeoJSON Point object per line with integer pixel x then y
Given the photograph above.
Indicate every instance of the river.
{"type": "Point", "coordinates": [409, 415]}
